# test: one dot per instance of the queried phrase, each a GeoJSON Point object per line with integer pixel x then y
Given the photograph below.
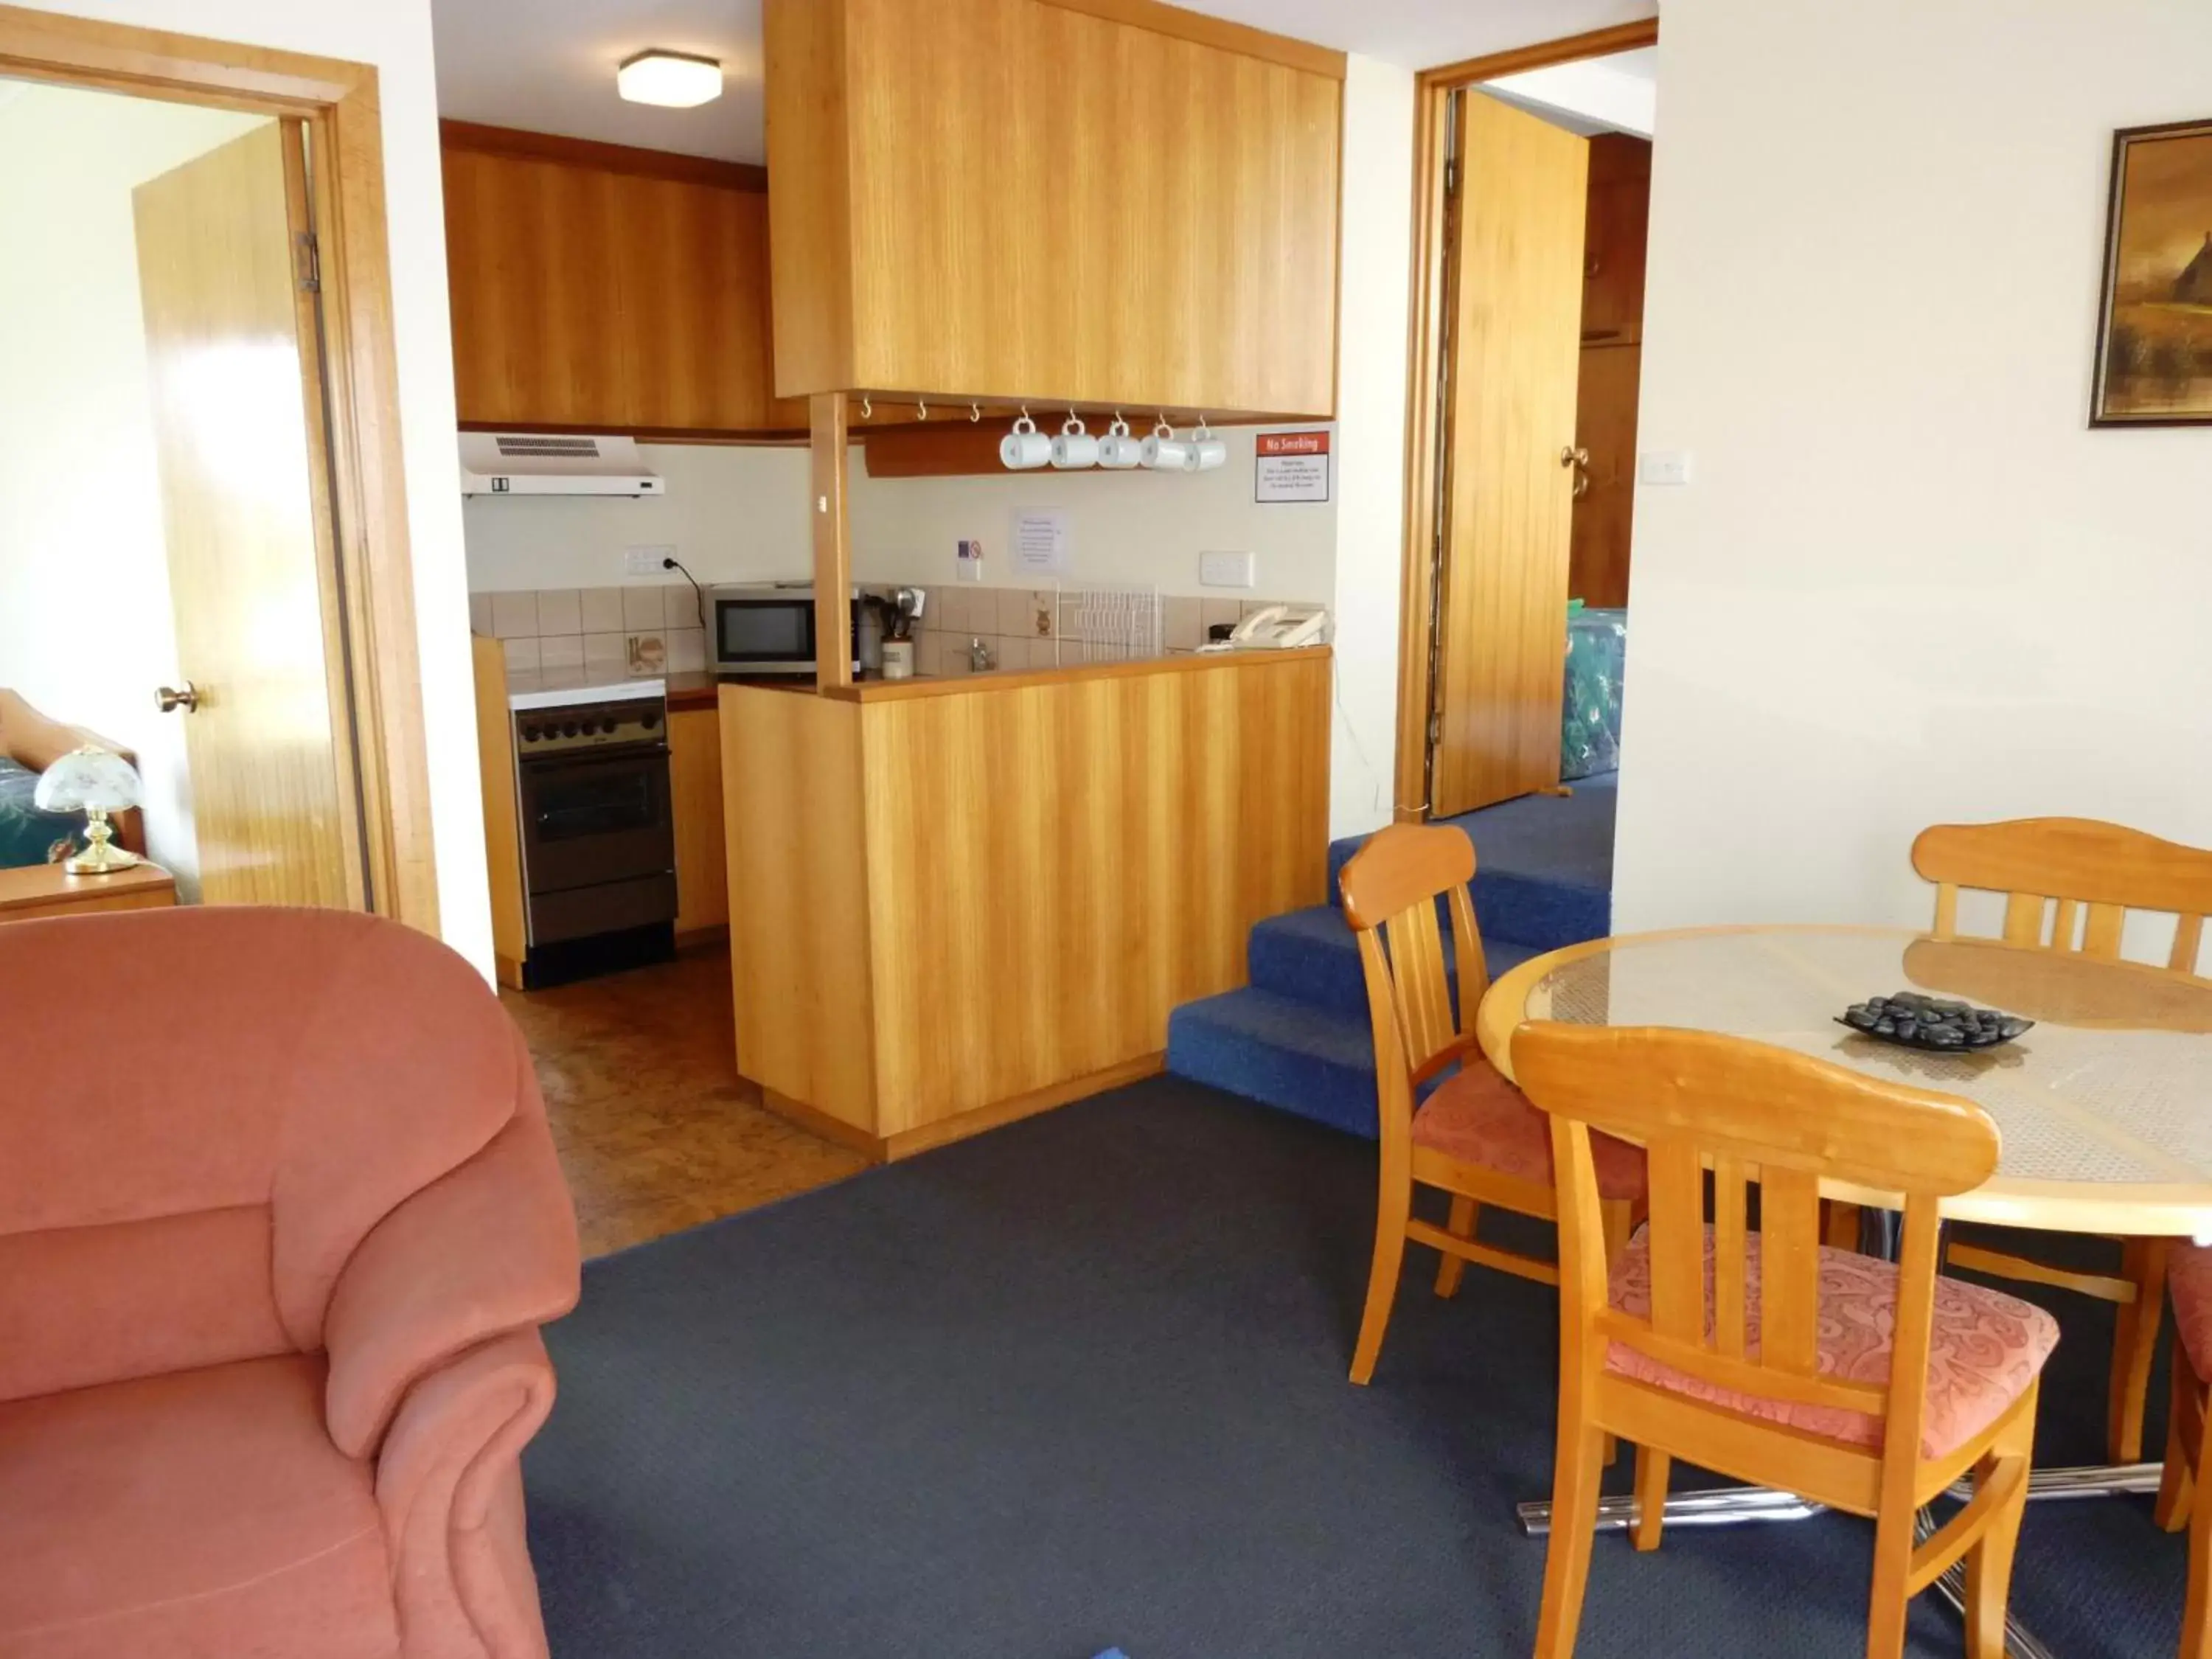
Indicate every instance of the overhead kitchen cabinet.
{"type": "Point", "coordinates": [1098, 201]}
{"type": "Point", "coordinates": [606, 288]}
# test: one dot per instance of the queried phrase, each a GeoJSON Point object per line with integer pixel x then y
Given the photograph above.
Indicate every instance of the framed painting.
{"type": "Point", "coordinates": [2154, 330]}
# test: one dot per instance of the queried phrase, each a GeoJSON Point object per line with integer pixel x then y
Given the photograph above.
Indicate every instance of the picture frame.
{"type": "Point", "coordinates": [2153, 359]}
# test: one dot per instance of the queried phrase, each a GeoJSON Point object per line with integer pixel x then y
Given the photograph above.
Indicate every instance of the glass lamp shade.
{"type": "Point", "coordinates": [88, 779]}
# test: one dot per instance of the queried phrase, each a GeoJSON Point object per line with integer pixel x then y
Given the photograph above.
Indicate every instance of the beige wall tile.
{"type": "Point", "coordinates": [514, 616]}
{"type": "Point", "coordinates": [928, 651]}
{"type": "Point", "coordinates": [647, 653]}
{"type": "Point", "coordinates": [952, 662]}
{"type": "Point", "coordinates": [561, 651]}
{"type": "Point", "coordinates": [687, 650]}
{"type": "Point", "coordinates": [599, 610]}
{"type": "Point", "coordinates": [1017, 609]}
{"type": "Point", "coordinates": [641, 610]}
{"type": "Point", "coordinates": [1180, 628]}
{"type": "Point", "coordinates": [680, 607]}
{"type": "Point", "coordinates": [605, 650]}
{"type": "Point", "coordinates": [480, 613]}
{"type": "Point", "coordinates": [521, 655]}
{"type": "Point", "coordinates": [559, 612]}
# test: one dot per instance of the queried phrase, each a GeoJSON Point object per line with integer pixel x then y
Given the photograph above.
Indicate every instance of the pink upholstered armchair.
{"type": "Point", "coordinates": [279, 1221]}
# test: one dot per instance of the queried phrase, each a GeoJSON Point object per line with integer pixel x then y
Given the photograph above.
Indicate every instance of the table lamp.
{"type": "Point", "coordinates": [95, 782]}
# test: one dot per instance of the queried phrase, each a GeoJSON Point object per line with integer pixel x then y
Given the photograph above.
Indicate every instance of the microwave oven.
{"type": "Point", "coordinates": [768, 628]}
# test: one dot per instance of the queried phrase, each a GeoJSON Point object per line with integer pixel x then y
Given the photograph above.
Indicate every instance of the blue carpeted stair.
{"type": "Point", "coordinates": [1297, 1036]}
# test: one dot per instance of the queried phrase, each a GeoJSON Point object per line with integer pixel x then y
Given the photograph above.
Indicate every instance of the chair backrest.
{"type": "Point", "coordinates": [206, 1110]}
{"type": "Point", "coordinates": [1391, 887]}
{"type": "Point", "coordinates": [2087, 874]}
{"type": "Point", "coordinates": [1755, 1115]}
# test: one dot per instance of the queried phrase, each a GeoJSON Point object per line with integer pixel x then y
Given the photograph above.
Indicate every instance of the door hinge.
{"type": "Point", "coordinates": [1451, 178]}
{"type": "Point", "coordinates": [311, 263]}
{"type": "Point", "coordinates": [1435, 730]}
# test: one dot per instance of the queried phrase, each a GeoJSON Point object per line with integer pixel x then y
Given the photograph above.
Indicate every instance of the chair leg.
{"type": "Point", "coordinates": [1651, 1467]}
{"type": "Point", "coordinates": [2177, 1481]}
{"type": "Point", "coordinates": [1460, 1225]}
{"type": "Point", "coordinates": [1990, 1558]}
{"type": "Point", "coordinates": [1393, 1205]}
{"type": "Point", "coordinates": [2134, 1337]}
{"type": "Point", "coordinates": [1893, 1567]}
{"type": "Point", "coordinates": [1574, 1524]}
{"type": "Point", "coordinates": [2196, 1613]}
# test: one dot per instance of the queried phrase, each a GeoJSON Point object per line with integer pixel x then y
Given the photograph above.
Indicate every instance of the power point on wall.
{"type": "Point", "coordinates": [647, 561]}
{"type": "Point", "coordinates": [1663, 467]}
{"type": "Point", "coordinates": [1227, 570]}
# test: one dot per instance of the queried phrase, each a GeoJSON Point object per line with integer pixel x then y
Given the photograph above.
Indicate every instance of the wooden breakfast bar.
{"type": "Point", "coordinates": [954, 903]}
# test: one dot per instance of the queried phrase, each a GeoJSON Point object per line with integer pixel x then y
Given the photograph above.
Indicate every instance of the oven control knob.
{"type": "Point", "coordinates": [569, 730]}
{"type": "Point", "coordinates": [531, 734]}
{"type": "Point", "coordinates": [649, 720]}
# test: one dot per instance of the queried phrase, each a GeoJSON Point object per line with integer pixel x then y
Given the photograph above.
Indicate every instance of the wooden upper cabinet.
{"type": "Point", "coordinates": [1099, 202]}
{"type": "Point", "coordinates": [606, 288]}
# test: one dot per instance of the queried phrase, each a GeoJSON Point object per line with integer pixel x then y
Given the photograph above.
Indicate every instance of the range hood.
{"type": "Point", "coordinates": [542, 464]}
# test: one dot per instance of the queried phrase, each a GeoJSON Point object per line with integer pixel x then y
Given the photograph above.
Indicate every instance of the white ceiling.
{"type": "Point", "coordinates": [549, 65]}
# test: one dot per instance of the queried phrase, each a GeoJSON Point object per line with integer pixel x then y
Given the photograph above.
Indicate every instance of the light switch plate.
{"type": "Point", "coordinates": [645, 561]}
{"type": "Point", "coordinates": [1227, 569]}
{"type": "Point", "coordinates": [1663, 467]}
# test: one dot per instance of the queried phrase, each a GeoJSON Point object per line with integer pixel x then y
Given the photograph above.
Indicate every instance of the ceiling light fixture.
{"type": "Point", "coordinates": [676, 80]}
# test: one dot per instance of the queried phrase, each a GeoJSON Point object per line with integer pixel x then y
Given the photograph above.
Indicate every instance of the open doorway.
{"type": "Point", "coordinates": [169, 586]}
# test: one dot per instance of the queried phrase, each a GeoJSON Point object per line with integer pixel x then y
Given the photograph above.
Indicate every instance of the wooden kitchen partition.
{"type": "Point", "coordinates": [955, 902]}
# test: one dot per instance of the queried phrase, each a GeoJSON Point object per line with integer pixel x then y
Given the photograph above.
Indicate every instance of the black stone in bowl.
{"type": "Point", "coordinates": [1930, 1024]}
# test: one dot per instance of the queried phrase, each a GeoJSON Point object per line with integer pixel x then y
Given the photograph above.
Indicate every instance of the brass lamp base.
{"type": "Point", "coordinates": [100, 857]}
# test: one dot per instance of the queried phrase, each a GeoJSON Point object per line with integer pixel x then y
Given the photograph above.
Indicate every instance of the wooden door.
{"type": "Point", "coordinates": [232, 357]}
{"type": "Point", "coordinates": [1516, 298]}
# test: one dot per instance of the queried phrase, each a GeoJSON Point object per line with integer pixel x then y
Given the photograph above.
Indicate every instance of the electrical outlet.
{"type": "Point", "coordinates": [645, 561]}
{"type": "Point", "coordinates": [1227, 570]}
{"type": "Point", "coordinates": [1663, 467]}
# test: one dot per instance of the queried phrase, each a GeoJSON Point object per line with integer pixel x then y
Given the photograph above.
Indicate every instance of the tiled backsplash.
{"type": "Point", "coordinates": [1019, 627]}
{"type": "Point", "coordinates": [640, 630]}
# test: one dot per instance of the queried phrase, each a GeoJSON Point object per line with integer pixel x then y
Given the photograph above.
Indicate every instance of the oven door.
{"type": "Point", "coordinates": [590, 819]}
{"type": "Point", "coordinates": [764, 634]}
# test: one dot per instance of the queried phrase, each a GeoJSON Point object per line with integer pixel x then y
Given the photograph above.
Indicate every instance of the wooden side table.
{"type": "Point", "coordinates": [47, 889]}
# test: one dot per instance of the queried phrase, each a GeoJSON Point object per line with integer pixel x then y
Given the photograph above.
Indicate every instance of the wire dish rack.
{"type": "Point", "coordinates": [1106, 624]}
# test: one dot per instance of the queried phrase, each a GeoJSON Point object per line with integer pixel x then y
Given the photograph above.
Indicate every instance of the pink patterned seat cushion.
{"type": "Point", "coordinates": [1478, 1117]}
{"type": "Point", "coordinates": [2189, 1276]}
{"type": "Point", "coordinates": [1986, 1349]}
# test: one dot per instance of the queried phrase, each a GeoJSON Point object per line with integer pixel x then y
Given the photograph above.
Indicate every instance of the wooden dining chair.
{"type": "Point", "coordinates": [2069, 886]}
{"type": "Point", "coordinates": [1474, 1137]}
{"type": "Point", "coordinates": [2182, 1484]}
{"type": "Point", "coordinates": [1766, 1355]}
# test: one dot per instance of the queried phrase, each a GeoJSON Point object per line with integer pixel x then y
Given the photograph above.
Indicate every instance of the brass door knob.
{"type": "Point", "coordinates": [171, 701]}
{"type": "Point", "coordinates": [1578, 459]}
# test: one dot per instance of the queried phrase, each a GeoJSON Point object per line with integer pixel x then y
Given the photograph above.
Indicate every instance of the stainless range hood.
{"type": "Point", "coordinates": [541, 463]}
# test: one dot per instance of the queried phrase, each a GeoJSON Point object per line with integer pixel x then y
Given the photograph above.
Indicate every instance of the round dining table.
{"type": "Point", "coordinates": [2104, 1107]}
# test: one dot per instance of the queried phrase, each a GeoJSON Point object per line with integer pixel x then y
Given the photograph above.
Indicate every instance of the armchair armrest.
{"type": "Point", "coordinates": [449, 1485]}
{"type": "Point", "coordinates": [488, 1248]}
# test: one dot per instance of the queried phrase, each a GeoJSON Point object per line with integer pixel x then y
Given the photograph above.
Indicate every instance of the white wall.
{"type": "Point", "coordinates": [394, 36]}
{"type": "Point", "coordinates": [1373, 312]}
{"type": "Point", "coordinates": [85, 628]}
{"type": "Point", "coordinates": [1907, 584]}
{"type": "Point", "coordinates": [739, 513]}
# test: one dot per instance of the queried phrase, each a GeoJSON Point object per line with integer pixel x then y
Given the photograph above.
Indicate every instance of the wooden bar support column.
{"type": "Point", "coordinates": [833, 544]}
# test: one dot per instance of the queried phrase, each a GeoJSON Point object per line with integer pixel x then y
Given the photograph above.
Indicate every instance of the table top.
{"type": "Point", "coordinates": [2104, 1109]}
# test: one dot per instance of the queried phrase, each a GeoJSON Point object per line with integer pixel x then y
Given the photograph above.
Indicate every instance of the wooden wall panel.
{"type": "Point", "coordinates": [1055, 866]}
{"type": "Point", "coordinates": [972, 236]}
{"type": "Point", "coordinates": [1615, 229]}
{"type": "Point", "coordinates": [799, 898]}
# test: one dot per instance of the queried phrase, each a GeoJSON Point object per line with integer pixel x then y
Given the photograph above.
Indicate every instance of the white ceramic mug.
{"type": "Point", "coordinates": [1117, 450]}
{"type": "Point", "coordinates": [1075, 449]}
{"type": "Point", "coordinates": [1024, 448]}
{"type": "Point", "coordinates": [1207, 453]}
{"type": "Point", "coordinates": [1163, 451]}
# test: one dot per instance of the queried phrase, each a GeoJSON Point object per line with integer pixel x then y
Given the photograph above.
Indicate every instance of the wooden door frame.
{"type": "Point", "coordinates": [338, 103]}
{"type": "Point", "coordinates": [1425, 415]}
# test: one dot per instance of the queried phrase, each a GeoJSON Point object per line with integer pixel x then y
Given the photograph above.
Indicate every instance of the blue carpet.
{"type": "Point", "coordinates": [1080, 1382]}
{"type": "Point", "coordinates": [1296, 1037]}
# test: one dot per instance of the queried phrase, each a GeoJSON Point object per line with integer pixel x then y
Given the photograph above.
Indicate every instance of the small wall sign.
{"type": "Point", "coordinates": [1040, 540]}
{"type": "Point", "coordinates": [1290, 466]}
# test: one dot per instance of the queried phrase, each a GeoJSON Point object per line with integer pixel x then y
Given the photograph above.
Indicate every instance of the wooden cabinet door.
{"type": "Point", "coordinates": [695, 799]}
{"type": "Point", "coordinates": [1517, 300]}
{"type": "Point", "coordinates": [584, 296]}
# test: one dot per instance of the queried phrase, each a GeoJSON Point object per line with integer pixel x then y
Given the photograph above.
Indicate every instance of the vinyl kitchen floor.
{"type": "Point", "coordinates": [656, 1130]}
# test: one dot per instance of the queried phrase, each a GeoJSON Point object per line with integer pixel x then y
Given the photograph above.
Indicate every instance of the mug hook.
{"type": "Point", "coordinates": [974, 413]}
{"type": "Point", "coordinates": [920, 410]}
{"type": "Point", "coordinates": [867, 407]}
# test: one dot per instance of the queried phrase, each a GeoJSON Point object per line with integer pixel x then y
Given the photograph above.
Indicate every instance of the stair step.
{"type": "Point", "coordinates": [1317, 1062]}
{"type": "Point", "coordinates": [1541, 912]}
{"type": "Point", "coordinates": [1313, 955]}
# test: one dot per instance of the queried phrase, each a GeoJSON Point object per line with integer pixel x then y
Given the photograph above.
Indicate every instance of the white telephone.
{"type": "Point", "coordinates": [1276, 628]}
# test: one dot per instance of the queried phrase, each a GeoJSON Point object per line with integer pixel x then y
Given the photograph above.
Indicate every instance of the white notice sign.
{"type": "Point", "coordinates": [1040, 540]}
{"type": "Point", "coordinates": [1290, 466]}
